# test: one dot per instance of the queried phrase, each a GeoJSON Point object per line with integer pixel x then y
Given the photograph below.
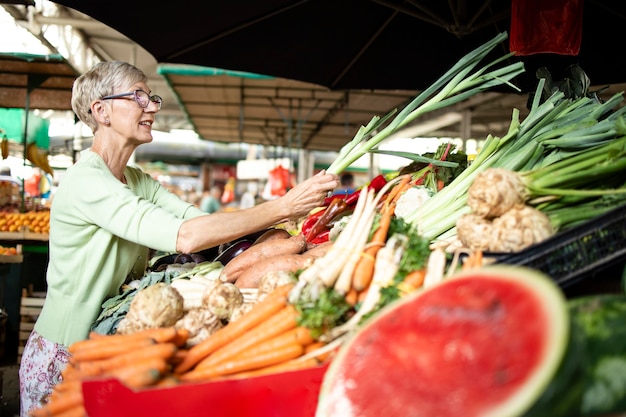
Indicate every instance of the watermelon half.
{"type": "Point", "coordinates": [496, 341]}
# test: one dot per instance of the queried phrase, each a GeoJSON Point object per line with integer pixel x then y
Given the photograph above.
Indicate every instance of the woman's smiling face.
{"type": "Point", "coordinates": [131, 120]}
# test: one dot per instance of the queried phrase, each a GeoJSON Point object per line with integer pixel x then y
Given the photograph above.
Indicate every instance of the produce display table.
{"type": "Point", "coordinates": [290, 394]}
{"type": "Point", "coordinates": [24, 235]}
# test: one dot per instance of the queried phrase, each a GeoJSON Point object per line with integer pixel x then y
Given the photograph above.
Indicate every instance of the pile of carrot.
{"type": "Point", "coordinates": [264, 340]}
{"type": "Point", "coordinates": [138, 360]}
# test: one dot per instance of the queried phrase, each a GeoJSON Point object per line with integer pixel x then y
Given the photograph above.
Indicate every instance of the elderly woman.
{"type": "Point", "coordinates": [105, 214]}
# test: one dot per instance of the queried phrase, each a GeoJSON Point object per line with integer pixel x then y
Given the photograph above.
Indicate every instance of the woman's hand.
{"type": "Point", "coordinates": [309, 194]}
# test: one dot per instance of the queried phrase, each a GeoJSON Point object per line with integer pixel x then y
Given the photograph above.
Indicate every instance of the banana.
{"type": "Point", "coordinates": [38, 158]}
{"type": "Point", "coordinates": [45, 163]}
{"type": "Point", "coordinates": [4, 146]}
{"type": "Point", "coordinates": [32, 154]}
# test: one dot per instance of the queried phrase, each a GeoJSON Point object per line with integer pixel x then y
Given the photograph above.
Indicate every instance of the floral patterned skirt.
{"type": "Point", "coordinates": [40, 370]}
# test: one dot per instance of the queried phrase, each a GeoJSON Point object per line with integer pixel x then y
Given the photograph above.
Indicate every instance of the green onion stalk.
{"type": "Point", "coordinates": [457, 84]}
{"type": "Point", "coordinates": [559, 159]}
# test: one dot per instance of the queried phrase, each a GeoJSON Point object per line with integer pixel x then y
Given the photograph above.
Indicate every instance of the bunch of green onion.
{"type": "Point", "coordinates": [569, 153]}
{"type": "Point", "coordinates": [457, 84]}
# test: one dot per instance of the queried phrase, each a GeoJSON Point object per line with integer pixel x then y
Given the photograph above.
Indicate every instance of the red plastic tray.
{"type": "Point", "coordinates": [289, 394]}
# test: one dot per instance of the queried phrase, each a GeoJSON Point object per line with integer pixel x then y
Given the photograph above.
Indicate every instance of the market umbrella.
{"type": "Point", "coordinates": [355, 44]}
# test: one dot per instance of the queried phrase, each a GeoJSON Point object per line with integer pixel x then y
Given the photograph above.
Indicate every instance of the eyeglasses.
{"type": "Point", "coordinates": [142, 98]}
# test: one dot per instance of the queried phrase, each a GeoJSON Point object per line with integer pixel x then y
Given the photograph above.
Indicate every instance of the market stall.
{"type": "Point", "coordinates": [407, 287]}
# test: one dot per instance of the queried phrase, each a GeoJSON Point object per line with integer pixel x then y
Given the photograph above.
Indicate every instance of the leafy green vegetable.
{"type": "Point", "coordinates": [323, 312]}
{"type": "Point", "coordinates": [114, 309]}
{"type": "Point", "coordinates": [414, 258]}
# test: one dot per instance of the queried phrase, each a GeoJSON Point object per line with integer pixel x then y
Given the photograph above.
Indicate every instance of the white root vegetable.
{"type": "Point", "coordinates": [385, 268]}
{"type": "Point", "coordinates": [250, 295]}
{"type": "Point", "coordinates": [240, 311]}
{"type": "Point", "coordinates": [158, 305]}
{"type": "Point", "coordinates": [223, 299]}
{"type": "Point", "coordinates": [357, 244]}
{"type": "Point", "coordinates": [328, 267]}
{"type": "Point", "coordinates": [494, 191]}
{"type": "Point", "coordinates": [192, 290]}
{"type": "Point", "coordinates": [474, 231]}
{"type": "Point", "coordinates": [326, 270]}
{"type": "Point", "coordinates": [273, 280]}
{"type": "Point", "coordinates": [519, 228]}
{"type": "Point", "coordinates": [200, 323]}
{"type": "Point", "coordinates": [435, 267]}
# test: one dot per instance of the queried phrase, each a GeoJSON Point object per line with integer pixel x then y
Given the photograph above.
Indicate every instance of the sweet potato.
{"type": "Point", "coordinates": [290, 262]}
{"type": "Point", "coordinates": [318, 250]}
{"type": "Point", "coordinates": [272, 234]}
{"type": "Point", "coordinates": [257, 253]}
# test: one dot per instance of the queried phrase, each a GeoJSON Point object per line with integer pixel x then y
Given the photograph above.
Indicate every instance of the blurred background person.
{"type": "Point", "coordinates": [347, 184]}
{"type": "Point", "coordinates": [248, 198]}
{"type": "Point", "coordinates": [210, 202]}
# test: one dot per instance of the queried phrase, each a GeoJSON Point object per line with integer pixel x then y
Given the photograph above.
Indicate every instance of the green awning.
{"type": "Point", "coordinates": [12, 126]}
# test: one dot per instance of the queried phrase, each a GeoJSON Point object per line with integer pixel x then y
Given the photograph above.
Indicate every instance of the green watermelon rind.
{"type": "Point", "coordinates": [556, 346]}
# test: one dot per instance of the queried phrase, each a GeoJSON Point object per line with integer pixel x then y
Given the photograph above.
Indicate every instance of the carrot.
{"type": "Point", "coordinates": [364, 270]}
{"type": "Point", "coordinates": [99, 340]}
{"type": "Point", "coordinates": [76, 411]}
{"type": "Point", "coordinates": [284, 320]}
{"type": "Point", "coordinates": [158, 350]}
{"type": "Point", "coordinates": [415, 279]}
{"type": "Point", "coordinates": [142, 373]}
{"type": "Point", "coordinates": [255, 253]}
{"type": "Point", "coordinates": [179, 356]}
{"type": "Point", "coordinates": [181, 337]}
{"type": "Point", "coordinates": [321, 351]}
{"type": "Point", "coordinates": [159, 334]}
{"type": "Point", "coordinates": [473, 260]}
{"type": "Point", "coordinates": [400, 187]}
{"type": "Point", "coordinates": [107, 350]}
{"type": "Point", "coordinates": [168, 380]}
{"type": "Point", "coordinates": [70, 372]}
{"type": "Point", "coordinates": [60, 404]}
{"type": "Point", "coordinates": [245, 363]}
{"type": "Point", "coordinates": [300, 335]}
{"type": "Point", "coordinates": [260, 312]}
{"type": "Point", "coordinates": [66, 386]}
{"type": "Point", "coordinates": [352, 296]}
{"type": "Point", "coordinates": [287, 366]}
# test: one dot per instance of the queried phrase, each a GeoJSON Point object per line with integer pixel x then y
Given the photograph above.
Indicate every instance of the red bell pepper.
{"type": "Point", "coordinates": [321, 238]}
{"type": "Point", "coordinates": [310, 221]}
{"type": "Point", "coordinates": [377, 183]}
{"type": "Point", "coordinates": [337, 206]}
{"type": "Point", "coordinates": [329, 200]}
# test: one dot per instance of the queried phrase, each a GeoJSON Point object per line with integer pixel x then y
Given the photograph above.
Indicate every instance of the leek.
{"type": "Point", "coordinates": [456, 85]}
{"type": "Point", "coordinates": [560, 162]}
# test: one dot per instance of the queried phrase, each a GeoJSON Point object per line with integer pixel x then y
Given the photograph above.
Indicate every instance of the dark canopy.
{"type": "Point", "coordinates": [350, 44]}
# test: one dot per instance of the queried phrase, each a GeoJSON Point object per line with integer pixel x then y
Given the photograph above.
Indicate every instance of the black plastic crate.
{"type": "Point", "coordinates": [578, 253]}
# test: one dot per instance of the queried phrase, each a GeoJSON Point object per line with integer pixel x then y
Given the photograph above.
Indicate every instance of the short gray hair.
{"type": "Point", "coordinates": [102, 80]}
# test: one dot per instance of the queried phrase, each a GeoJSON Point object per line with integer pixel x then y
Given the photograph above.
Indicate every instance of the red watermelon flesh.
{"type": "Point", "coordinates": [477, 344]}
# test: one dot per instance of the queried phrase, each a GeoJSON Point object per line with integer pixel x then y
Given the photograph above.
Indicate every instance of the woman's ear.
{"type": "Point", "coordinates": [98, 111]}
